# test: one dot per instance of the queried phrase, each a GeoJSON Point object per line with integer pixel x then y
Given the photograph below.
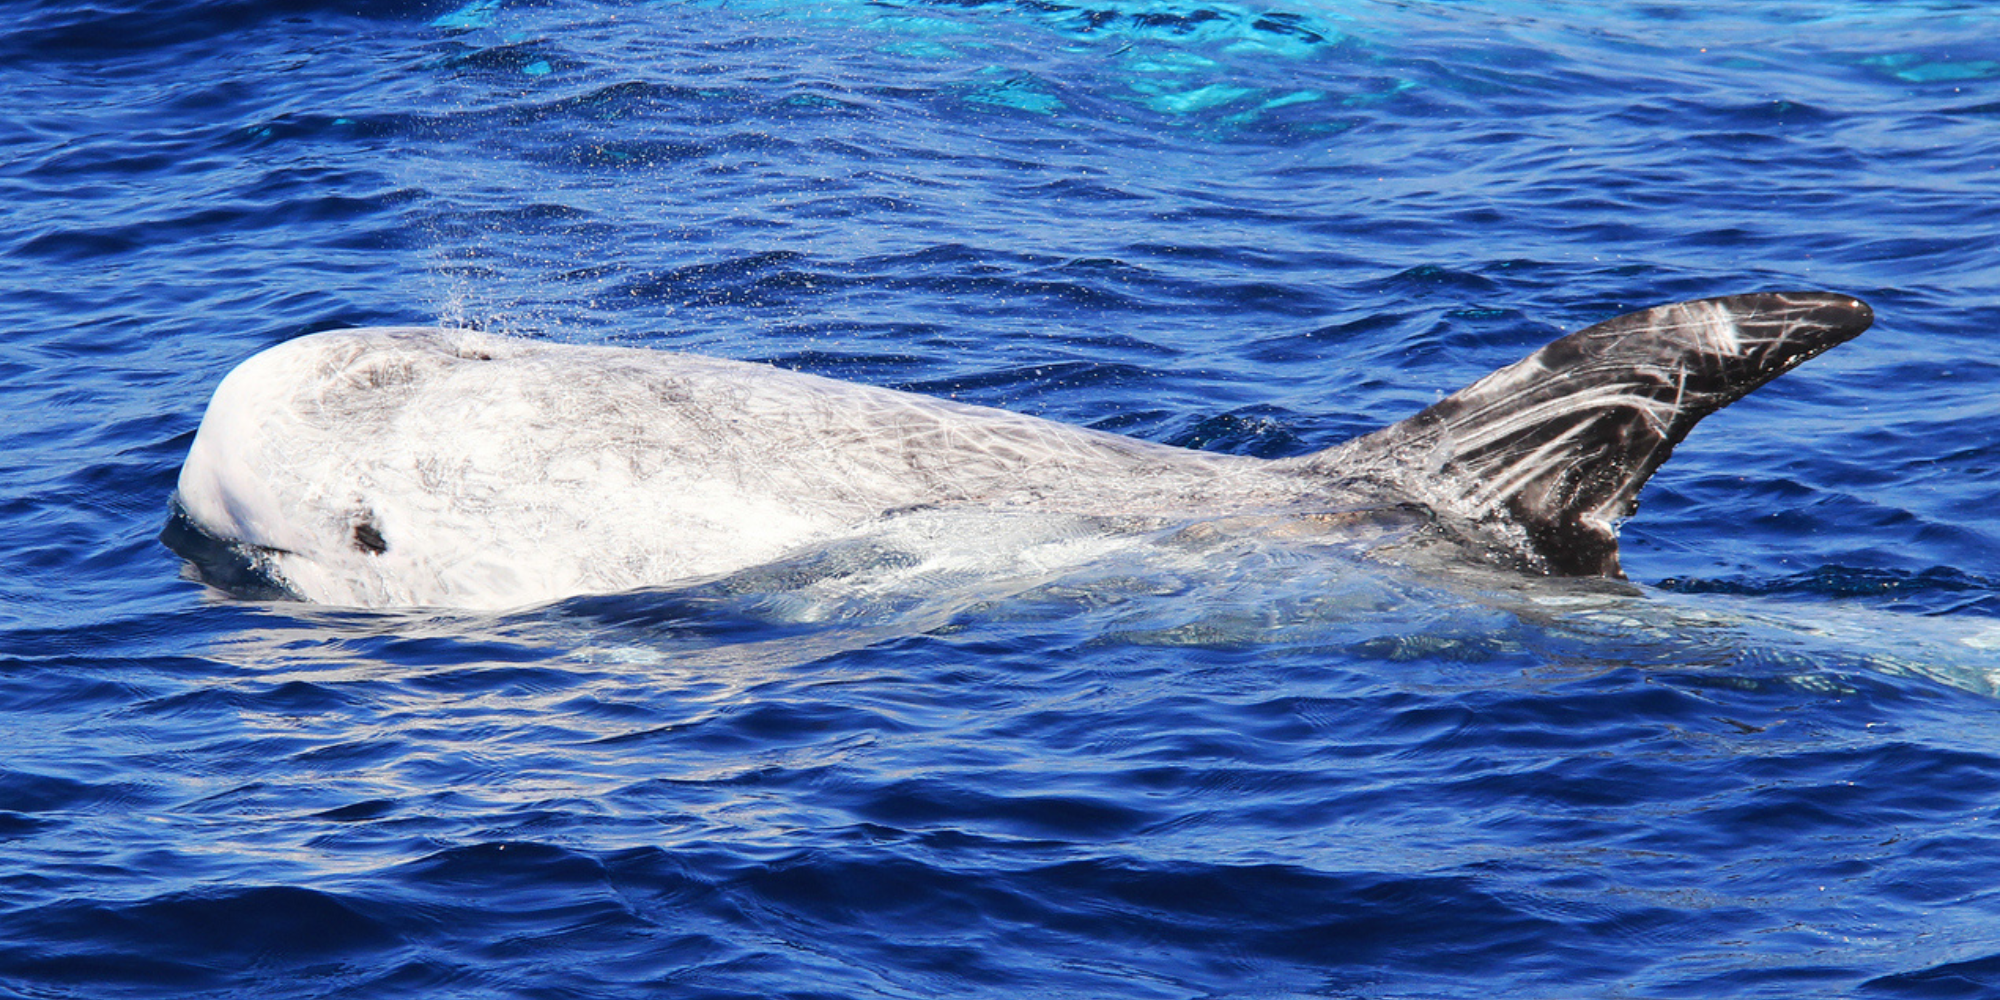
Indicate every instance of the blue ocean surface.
{"type": "Point", "coordinates": [1252, 226]}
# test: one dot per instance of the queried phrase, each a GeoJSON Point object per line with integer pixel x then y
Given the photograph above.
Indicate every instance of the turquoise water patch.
{"type": "Point", "coordinates": [1174, 59]}
{"type": "Point", "coordinates": [472, 16]}
{"type": "Point", "coordinates": [1917, 69]}
{"type": "Point", "coordinates": [1191, 101]}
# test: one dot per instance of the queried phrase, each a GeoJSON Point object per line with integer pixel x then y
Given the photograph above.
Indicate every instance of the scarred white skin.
{"type": "Point", "coordinates": [442, 467]}
{"type": "Point", "coordinates": [494, 472]}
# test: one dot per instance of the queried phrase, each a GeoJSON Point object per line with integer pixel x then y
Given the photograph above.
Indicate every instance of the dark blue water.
{"type": "Point", "coordinates": [1257, 228]}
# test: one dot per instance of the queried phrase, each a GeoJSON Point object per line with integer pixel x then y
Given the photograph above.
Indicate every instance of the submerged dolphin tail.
{"type": "Point", "coordinates": [1549, 453]}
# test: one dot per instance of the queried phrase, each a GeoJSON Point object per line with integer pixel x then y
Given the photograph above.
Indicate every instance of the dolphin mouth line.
{"type": "Point", "coordinates": [240, 569]}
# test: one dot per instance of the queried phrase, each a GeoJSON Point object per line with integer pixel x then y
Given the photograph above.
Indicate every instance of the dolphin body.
{"type": "Point", "coordinates": [437, 467]}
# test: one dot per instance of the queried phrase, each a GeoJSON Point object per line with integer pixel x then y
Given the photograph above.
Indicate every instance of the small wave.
{"type": "Point", "coordinates": [1938, 590]}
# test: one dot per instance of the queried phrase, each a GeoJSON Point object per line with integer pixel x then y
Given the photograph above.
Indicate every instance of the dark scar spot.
{"type": "Point", "coordinates": [368, 537]}
{"type": "Point", "coordinates": [474, 354]}
{"type": "Point", "coordinates": [385, 374]}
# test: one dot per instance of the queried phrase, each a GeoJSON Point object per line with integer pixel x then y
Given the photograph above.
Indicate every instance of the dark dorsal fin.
{"type": "Point", "coordinates": [1550, 452]}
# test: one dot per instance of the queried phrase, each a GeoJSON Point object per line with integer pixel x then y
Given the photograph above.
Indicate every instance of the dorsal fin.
{"type": "Point", "coordinates": [1550, 452]}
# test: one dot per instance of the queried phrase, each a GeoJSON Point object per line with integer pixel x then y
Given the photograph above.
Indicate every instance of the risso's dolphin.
{"type": "Point", "coordinates": [447, 467]}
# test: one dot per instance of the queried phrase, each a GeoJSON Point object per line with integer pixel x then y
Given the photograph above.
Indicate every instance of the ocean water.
{"type": "Point", "coordinates": [1772, 769]}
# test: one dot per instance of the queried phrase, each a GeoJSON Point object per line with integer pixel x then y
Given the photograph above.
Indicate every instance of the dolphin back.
{"type": "Point", "coordinates": [1549, 453]}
